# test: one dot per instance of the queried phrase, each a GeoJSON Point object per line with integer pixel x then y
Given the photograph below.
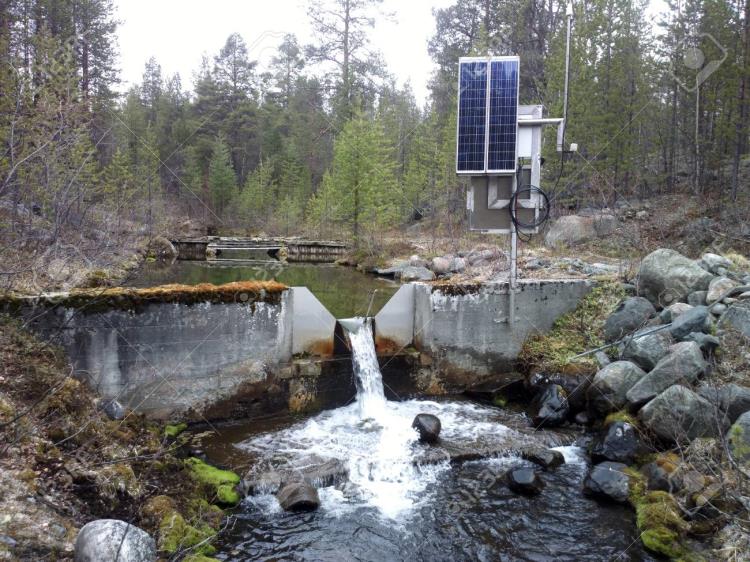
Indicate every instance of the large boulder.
{"type": "Point", "coordinates": [428, 427]}
{"type": "Point", "coordinates": [737, 317]}
{"type": "Point", "coordinates": [694, 320]}
{"type": "Point", "coordinates": [112, 540]}
{"type": "Point", "coordinates": [298, 496]}
{"type": "Point", "coordinates": [609, 388]}
{"type": "Point", "coordinates": [631, 314]}
{"type": "Point", "coordinates": [619, 442]}
{"type": "Point", "coordinates": [550, 407]}
{"type": "Point", "coordinates": [707, 342]}
{"type": "Point", "coordinates": [573, 229]}
{"type": "Point", "coordinates": [684, 363]}
{"type": "Point", "coordinates": [678, 415]}
{"type": "Point", "coordinates": [525, 481]}
{"type": "Point", "coordinates": [739, 439]}
{"type": "Point", "coordinates": [608, 480]}
{"type": "Point", "coordinates": [646, 350]}
{"type": "Point", "coordinates": [666, 276]}
{"type": "Point", "coordinates": [441, 265]}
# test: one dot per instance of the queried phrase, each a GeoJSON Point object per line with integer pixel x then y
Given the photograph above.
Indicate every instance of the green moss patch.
{"type": "Point", "coordinates": [620, 416]}
{"type": "Point", "coordinates": [173, 430]}
{"type": "Point", "coordinates": [223, 482]}
{"type": "Point", "coordinates": [574, 333]}
{"type": "Point", "coordinates": [176, 534]}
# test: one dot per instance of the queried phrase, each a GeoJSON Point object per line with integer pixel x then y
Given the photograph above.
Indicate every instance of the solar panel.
{"type": "Point", "coordinates": [487, 115]}
{"type": "Point", "coordinates": [501, 152]}
{"type": "Point", "coordinates": [472, 117]}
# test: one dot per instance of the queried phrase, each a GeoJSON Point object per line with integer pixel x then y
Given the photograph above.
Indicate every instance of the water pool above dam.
{"type": "Point", "coordinates": [344, 291]}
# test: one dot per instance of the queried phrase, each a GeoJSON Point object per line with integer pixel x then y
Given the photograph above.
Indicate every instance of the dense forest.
{"type": "Point", "coordinates": [323, 141]}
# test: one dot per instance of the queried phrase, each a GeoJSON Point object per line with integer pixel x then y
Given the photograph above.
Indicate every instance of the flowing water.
{"type": "Point", "coordinates": [389, 497]}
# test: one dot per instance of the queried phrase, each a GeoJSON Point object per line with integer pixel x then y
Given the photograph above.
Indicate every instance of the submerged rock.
{"type": "Point", "coordinates": [631, 314]}
{"type": "Point", "coordinates": [111, 540]}
{"type": "Point", "coordinates": [666, 277]}
{"type": "Point", "coordinates": [525, 481]}
{"type": "Point", "coordinates": [619, 442]}
{"type": "Point", "coordinates": [298, 496]}
{"type": "Point", "coordinates": [551, 406]}
{"type": "Point", "coordinates": [546, 458]}
{"type": "Point", "coordinates": [428, 427]}
{"type": "Point", "coordinates": [608, 480]}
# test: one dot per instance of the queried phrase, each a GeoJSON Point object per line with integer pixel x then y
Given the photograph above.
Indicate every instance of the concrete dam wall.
{"type": "Point", "coordinates": [248, 349]}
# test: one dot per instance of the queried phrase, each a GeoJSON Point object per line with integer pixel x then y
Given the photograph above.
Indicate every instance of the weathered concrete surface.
{"type": "Point", "coordinates": [312, 325]}
{"type": "Point", "coordinates": [171, 357]}
{"type": "Point", "coordinates": [466, 329]}
{"type": "Point", "coordinates": [394, 324]}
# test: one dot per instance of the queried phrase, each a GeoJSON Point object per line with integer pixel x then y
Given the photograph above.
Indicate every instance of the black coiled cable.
{"type": "Point", "coordinates": [544, 211]}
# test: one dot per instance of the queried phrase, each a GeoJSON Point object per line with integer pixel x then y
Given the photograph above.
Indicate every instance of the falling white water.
{"type": "Point", "coordinates": [375, 440]}
{"type": "Point", "coordinates": [370, 395]}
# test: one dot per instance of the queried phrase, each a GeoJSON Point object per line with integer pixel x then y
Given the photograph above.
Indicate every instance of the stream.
{"type": "Point", "coordinates": [397, 498]}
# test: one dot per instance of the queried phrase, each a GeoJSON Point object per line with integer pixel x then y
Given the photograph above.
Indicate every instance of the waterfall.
{"type": "Point", "coordinates": [369, 380]}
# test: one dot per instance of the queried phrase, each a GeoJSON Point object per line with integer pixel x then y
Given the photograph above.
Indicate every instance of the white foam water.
{"type": "Point", "coordinates": [373, 437]}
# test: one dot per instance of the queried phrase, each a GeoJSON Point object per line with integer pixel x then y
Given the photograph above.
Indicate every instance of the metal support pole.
{"type": "Point", "coordinates": [513, 265]}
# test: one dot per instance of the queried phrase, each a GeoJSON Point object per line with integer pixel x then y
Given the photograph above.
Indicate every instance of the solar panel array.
{"type": "Point", "coordinates": [487, 115]}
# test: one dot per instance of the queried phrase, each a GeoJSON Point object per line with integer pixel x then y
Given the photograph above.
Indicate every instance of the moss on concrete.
{"type": "Point", "coordinates": [124, 298]}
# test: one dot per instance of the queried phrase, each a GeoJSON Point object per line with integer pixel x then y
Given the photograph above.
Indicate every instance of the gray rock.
{"type": "Point", "coordinates": [732, 399]}
{"type": "Point", "coordinates": [111, 540]}
{"type": "Point", "coordinates": [657, 478]}
{"type": "Point", "coordinates": [678, 414]}
{"type": "Point", "coordinates": [394, 270]}
{"type": "Point", "coordinates": [113, 409]}
{"type": "Point", "coordinates": [411, 273]}
{"type": "Point", "coordinates": [298, 496]}
{"type": "Point", "coordinates": [608, 390]}
{"type": "Point", "coordinates": [697, 298]}
{"type": "Point", "coordinates": [546, 458]}
{"type": "Point", "coordinates": [683, 364]}
{"type": "Point", "coordinates": [569, 231]}
{"type": "Point", "coordinates": [737, 317]}
{"type": "Point", "coordinates": [666, 277]}
{"type": "Point", "coordinates": [551, 407]}
{"type": "Point", "coordinates": [476, 257]}
{"type": "Point", "coordinates": [719, 286]}
{"type": "Point", "coordinates": [646, 350]}
{"type": "Point", "coordinates": [694, 320]}
{"type": "Point", "coordinates": [630, 289]}
{"type": "Point", "coordinates": [631, 314]}
{"type": "Point", "coordinates": [602, 358]}
{"type": "Point", "coordinates": [619, 442]}
{"type": "Point", "coordinates": [718, 309]}
{"type": "Point", "coordinates": [416, 261]}
{"type": "Point", "coordinates": [582, 418]}
{"type": "Point", "coordinates": [739, 439]}
{"type": "Point", "coordinates": [525, 481]}
{"type": "Point", "coordinates": [713, 262]}
{"type": "Point", "coordinates": [608, 480]}
{"type": "Point", "coordinates": [707, 342]}
{"type": "Point", "coordinates": [428, 427]}
{"type": "Point", "coordinates": [458, 265]}
{"type": "Point", "coordinates": [440, 265]}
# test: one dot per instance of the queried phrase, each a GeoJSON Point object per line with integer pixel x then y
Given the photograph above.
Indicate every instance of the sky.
{"type": "Point", "coordinates": [179, 32]}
